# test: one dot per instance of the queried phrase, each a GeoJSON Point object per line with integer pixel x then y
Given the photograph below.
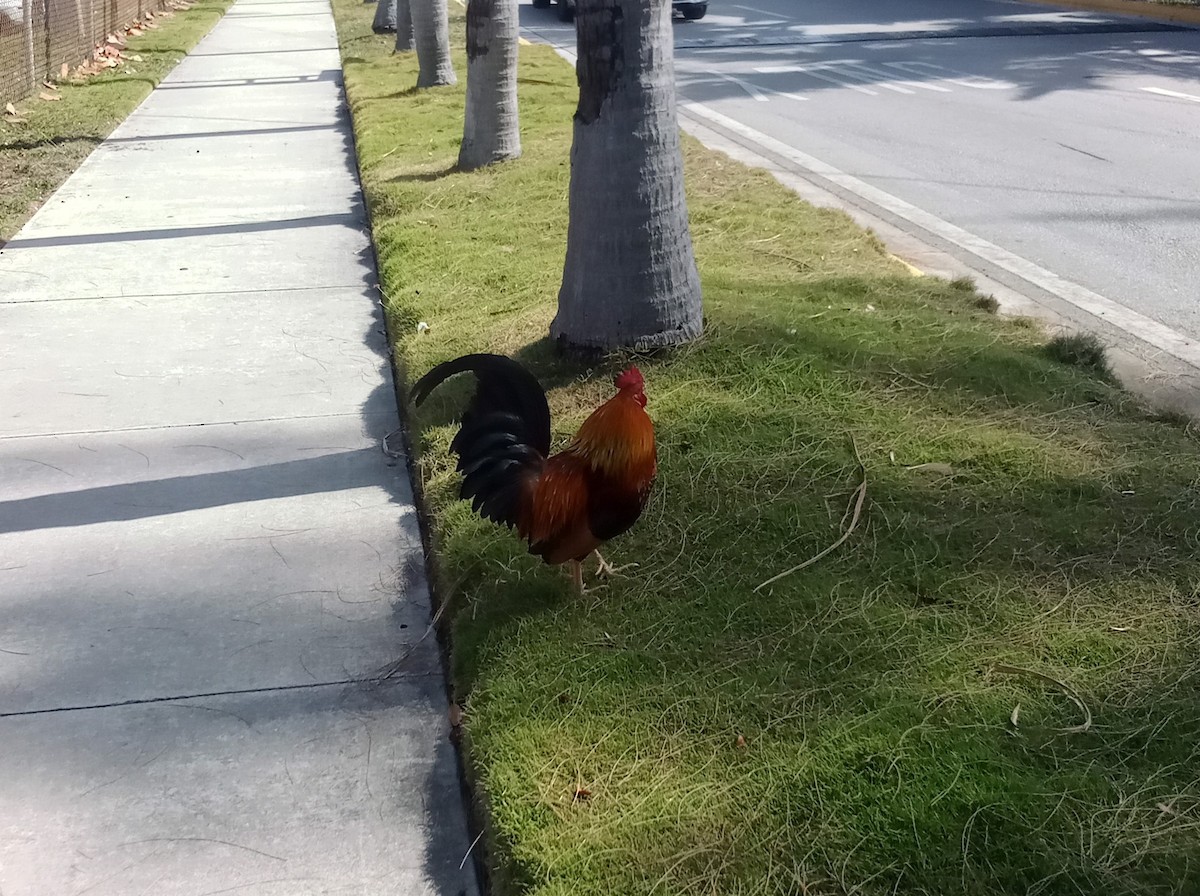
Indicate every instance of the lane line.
{"type": "Point", "coordinates": [761, 12]}
{"type": "Point", "coordinates": [1137, 324]}
{"type": "Point", "coordinates": [1161, 91]}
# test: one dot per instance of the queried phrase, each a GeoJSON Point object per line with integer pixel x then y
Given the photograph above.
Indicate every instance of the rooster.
{"type": "Point", "coordinates": [566, 505]}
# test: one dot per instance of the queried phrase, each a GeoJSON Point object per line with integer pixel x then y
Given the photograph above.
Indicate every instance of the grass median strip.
{"type": "Point", "coordinates": [52, 137]}
{"type": "Point", "coordinates": [990, 687]}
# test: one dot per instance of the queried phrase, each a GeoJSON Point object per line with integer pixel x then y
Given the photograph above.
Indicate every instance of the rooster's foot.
{"type": "Point", "coordinates": [606, 569]}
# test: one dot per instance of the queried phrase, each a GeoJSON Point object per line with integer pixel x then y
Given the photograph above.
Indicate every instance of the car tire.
{"type": "Point", "coordinates": [695, 12]}
{"type": "Point", "coordinates": [566, 11]}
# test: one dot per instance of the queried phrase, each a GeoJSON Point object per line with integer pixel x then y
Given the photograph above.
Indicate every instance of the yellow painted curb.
{"type": "Point", "coordinates": [1189, 14]}
{"type": "Point", "coordinates": [915, 271]}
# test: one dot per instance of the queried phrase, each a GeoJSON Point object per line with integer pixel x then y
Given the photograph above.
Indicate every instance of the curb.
{"type": "Point", "coordinates": [1142, 8]}
{"type": "Point", "coordinates": [1160, 379]}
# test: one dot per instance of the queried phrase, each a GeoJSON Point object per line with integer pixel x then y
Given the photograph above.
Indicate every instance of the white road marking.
{"type": "Point", "coordinates": [1174, 93]}
{"type": "Point", "coordinates": [810, 70]}
{"type": "Point", "coordinates": [962, 78]}
{"type": "Point", "coordinates": [880, 73]}
{"type": "Point", "coordinates": [1144, 328]}
{"type": "Point", "coordinates": [832, 78]}
{"type": "Point", "coordinates": [1146, 64]}
{"type": "Point", "coordinates": [855, 71]}
{"type": "Point", "coordinates": [755, 92]}
{"type": "Point", "coordinates": [791, 96]}
{"type": "Point", "coordinates": [761, 12]}
{"type": "Point", "coordinates": [862, 73]}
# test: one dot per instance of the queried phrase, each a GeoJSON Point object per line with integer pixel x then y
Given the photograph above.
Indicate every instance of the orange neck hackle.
{"type": "Point", "coordinates": [618, 437]}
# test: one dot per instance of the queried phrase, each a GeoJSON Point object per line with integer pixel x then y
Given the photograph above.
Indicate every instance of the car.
{"type": "Point", "coordinates": [689, 9]}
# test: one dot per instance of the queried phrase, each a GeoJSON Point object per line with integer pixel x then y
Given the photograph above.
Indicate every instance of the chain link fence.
{"type": "Point", "coordinates": [38, 36]}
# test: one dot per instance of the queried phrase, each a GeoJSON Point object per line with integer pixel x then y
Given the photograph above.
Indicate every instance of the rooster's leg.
{"type": "Point", "coordinates": [577, 575]}
{"type": "Point", "coordinates": [606, 569]}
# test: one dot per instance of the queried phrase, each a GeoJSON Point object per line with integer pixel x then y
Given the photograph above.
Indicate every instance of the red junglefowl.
{"type": "Point", "coordinates": [564, 506]}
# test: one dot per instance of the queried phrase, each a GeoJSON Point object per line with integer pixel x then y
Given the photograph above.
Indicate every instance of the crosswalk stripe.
{"type": "Point", "coordinates": [755, 92]}
{"type": "Point", "coordinates": [925, 69]}
{"type": "Point", "coordinates": [809, 70]}
{"type": "Point", "coordinates": [861, 73]}
{"type": "Point", "coordinates": [880, 73]}
{"type": "Point", "coordinates": [1161, 91]}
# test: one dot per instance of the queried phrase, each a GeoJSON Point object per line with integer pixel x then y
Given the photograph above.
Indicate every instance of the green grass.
{"type": "Point", "coordinates": [38, 155]}
{"type": "Point", "coordinates": [1081, 350]}
{"type": "Point", "coordinates": [849, 728]}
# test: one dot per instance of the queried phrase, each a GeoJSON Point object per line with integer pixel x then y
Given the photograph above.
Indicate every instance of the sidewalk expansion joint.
{"type": "Point", "coordinates": [178, 295]}
{"type": "Point", "coordinates": [362, 415]}
{"type": "Point", "coordinates": [237, 692]}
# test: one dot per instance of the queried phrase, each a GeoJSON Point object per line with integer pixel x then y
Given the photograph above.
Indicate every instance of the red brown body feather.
{"type": "Point", "coordinates": [596, 487]}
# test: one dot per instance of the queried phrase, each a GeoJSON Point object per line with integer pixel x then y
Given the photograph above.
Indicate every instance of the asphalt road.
{"type": "Point", "coordinates": [1067, 139]}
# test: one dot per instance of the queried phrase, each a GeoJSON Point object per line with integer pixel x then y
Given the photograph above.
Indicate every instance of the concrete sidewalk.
{"type": "Point", "coordinates": [202, 546]}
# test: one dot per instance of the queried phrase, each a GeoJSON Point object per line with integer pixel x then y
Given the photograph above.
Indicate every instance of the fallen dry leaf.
{"type": "Point", "coordinates": [10, 108]}
{"type": "Point", "coordinates": [741, 740]}
{"type": "Point", "coordinates": [65, 70]}
{"type": "Point", "coordinates": [456, 715]}
{"type": "Point", "coordinates": [1016, 715]}
{"type": "Point", "coordinates": [49, 85]}
{"type": "Point", "coordinates": [49, 97]}
{"type": "Point", "coordinates": [582, 794]}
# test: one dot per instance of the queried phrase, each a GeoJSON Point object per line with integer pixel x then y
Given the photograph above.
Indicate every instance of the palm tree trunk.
{"type": "Point", "coordinates": [431, 32]}
{"type": "Point", "coordinates": [404, 26]}
{"type": "Point", "coordinates": [630, 276]}
{"type": "Point", "coordinates": [385, 17]}
{"type": "Point", "coordinates": [491, 131]}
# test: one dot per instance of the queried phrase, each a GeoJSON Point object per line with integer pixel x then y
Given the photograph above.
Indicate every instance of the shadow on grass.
{"type": "Point", "coordinates": [401, 94]}
{"type": "Point", "coordinates": [23, 145]}
{"type": "Point", "coordinates": [845, 729]}
{"type": "Point", "coordinates": [1056, 540]}
{"type": "Point", "coordinates": [424, 176]}
{"type": "Point", "coordinates": [123, 79]}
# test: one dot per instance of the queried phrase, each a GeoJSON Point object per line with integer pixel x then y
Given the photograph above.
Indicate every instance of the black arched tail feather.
{"type": "Point", "coordinates": [505, 434]}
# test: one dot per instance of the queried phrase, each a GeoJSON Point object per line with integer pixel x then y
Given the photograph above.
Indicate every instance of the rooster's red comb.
{"type": "Point", "coordinates": [630, 379]}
